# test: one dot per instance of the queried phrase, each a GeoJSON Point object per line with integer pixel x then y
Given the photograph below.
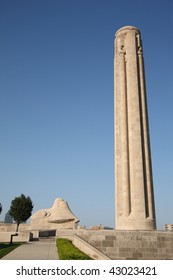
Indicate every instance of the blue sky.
{"type": "Point", "coordinates": [56, 102]}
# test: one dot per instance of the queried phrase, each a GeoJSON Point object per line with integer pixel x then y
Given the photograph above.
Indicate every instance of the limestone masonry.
{"type": "Point", "coordinates": [58, 216]}
{"type": "Point", "coordinates": [134, 185]}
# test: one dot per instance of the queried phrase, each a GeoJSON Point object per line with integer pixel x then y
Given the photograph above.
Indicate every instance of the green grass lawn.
{"type": "Point", "coordinates": [67, 251]}
{"type": "Point", "coordinates": [6, 248]}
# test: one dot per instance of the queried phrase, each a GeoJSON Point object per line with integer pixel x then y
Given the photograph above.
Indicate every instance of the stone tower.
{"type": "Point", "coordinates": [134, 187]}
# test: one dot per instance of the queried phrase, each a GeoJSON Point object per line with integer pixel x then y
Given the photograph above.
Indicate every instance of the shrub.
{"type": "Point", "coordinates": [67, 251]}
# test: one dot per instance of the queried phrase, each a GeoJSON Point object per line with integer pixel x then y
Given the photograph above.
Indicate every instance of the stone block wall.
{"type": "Point", "coordinates": [129, 245]}
{"type": "Point", "coordinates": [21, 237]}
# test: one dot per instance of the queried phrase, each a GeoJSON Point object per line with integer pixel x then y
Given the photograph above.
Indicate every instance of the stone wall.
{"type": "Point", "coordinates": [138, 245]}
{"type": "Point", "coordinates": [5, 227]}
{"type": "Point", "coordinates": [115, 244]}
{"type": "Point", "coordinates": [37, 226]}
{"type": "Point", "coordinates": [21, 237]}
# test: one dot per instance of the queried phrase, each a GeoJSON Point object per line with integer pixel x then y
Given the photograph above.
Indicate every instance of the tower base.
{"type": "Point", "coordinates": [130, 223]}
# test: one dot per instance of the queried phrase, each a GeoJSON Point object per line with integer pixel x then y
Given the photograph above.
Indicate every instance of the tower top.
{"type": "Point", "coordinates": [127, 28]}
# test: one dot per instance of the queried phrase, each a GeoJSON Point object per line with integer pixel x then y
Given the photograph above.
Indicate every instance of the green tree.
{"type": "Point", "coordinates": [0, 208]}
{"type": "Point", "coordinates": [21, 209]}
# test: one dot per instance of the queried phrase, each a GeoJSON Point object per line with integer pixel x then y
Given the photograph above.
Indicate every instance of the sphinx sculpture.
{"type": "Point", "coordinates": [58, 216]}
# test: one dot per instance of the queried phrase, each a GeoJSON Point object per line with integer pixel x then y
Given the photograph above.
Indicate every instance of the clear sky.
{"type": "Point", "coordinates": [56, 102]}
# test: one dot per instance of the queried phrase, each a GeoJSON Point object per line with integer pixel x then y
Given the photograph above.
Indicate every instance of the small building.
{"type": "Point", "coordinates": [169, 227]}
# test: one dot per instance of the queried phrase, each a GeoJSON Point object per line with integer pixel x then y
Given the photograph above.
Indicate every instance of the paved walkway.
{"type": "Point", "coordinates": [44, 249]}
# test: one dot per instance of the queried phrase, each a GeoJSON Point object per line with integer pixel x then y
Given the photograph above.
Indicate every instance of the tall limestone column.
{"type": "Point", "coordinates": [134, 185]}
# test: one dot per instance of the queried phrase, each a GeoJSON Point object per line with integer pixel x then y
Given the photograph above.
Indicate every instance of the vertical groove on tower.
{"type": "Point", "coordinates": [150, 212]}
{"type": "Point", "coordinates": [124, 133]}
{"type": "Point", "coordinates": [128, 152]}
{"type": "Point", "coordinates": [142, 120]}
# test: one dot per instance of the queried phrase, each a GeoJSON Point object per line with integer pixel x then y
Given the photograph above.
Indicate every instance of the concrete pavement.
{"type": "Point", "coordinates": [44, 249]}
